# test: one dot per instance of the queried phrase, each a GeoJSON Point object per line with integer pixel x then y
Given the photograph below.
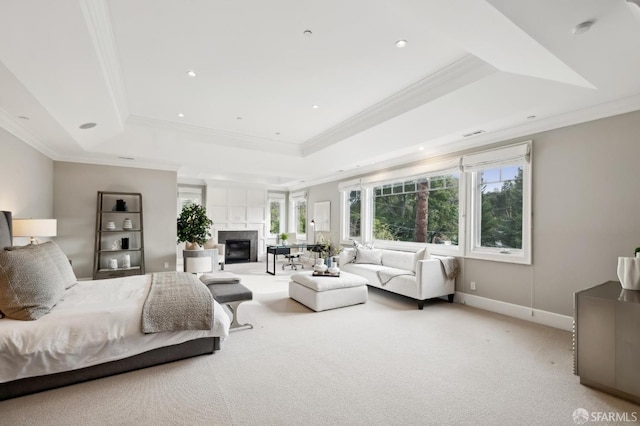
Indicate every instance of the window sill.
{"type": "Point", "coordinates": [515, 257]}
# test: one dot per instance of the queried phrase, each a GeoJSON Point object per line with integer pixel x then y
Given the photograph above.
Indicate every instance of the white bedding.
{"type": "Point", "coordinates": [95, 322]}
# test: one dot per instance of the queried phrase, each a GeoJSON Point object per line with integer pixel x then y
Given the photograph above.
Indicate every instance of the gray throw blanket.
{"type": "Point", "coordinates": [177, 301]}
{"type": "Point", "coordinates": [387, 274]}
{"type": "Point", "coordinates": [450, 266]}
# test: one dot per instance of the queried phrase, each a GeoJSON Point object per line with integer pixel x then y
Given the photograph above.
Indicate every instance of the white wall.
{"type": "Point", "coordinates": [26, 181]}
{"type": "Point", "coordinates": [76, 188]}
{"type": "Point", "coordinates": [238, 207]}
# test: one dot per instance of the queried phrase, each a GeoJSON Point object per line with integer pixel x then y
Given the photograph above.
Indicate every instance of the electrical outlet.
{"type": "Point", "coordinates": [166, 265]}
{"type": "Point", "coordinates": [473, 285]}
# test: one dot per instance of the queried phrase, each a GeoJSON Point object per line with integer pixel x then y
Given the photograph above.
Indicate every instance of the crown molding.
{"type": "Point", "coordinates": [14, 127]}
{"type": "Point", "coordinates": [446, 80]}
{"type": "Point", "coordinates": [449, 145]}
{"type": "Point", "coordinates": [219, 137]}
{"type": "Point", "coordinates": [96, 16]}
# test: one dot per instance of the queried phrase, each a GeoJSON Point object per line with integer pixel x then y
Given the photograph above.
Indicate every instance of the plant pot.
{"type": "Point", "coordinates": [629, 273]}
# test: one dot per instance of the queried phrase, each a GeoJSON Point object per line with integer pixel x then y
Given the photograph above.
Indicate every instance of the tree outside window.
{"type": "Point", "coordinates": [354, 202]}
{"type": "Point", "coordinates": [423, 210]}
{"type": "Point", "coordinates": [500, 192]}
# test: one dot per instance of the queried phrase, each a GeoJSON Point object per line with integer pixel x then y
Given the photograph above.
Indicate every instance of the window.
{"type": "Point", "coordinates": [423, 209]}
{"type": "Point", "coordinates": [500, 200]}
{"type": "Point", "coordinates": [298, 214]}
{"type": "Point", "coordinates": [190, 194]}
{"type": "Point", "coordinates": [276, 213]}
{"type": "Point", "coordinates": [500, 193]}
{"type": "Point", "coordinates": [353, 205]}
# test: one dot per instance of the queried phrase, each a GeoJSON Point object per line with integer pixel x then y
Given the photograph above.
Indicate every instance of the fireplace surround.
{"type": "Point", "coordinates": [238, 252]}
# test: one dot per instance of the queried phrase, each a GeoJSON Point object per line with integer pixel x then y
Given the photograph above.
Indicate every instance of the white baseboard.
{"type": "Point", "coordinates": [563, 322]}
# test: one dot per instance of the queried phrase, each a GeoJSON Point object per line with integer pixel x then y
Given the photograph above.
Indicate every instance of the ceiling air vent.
{"type": "Point", "coordinates": [477, 132]}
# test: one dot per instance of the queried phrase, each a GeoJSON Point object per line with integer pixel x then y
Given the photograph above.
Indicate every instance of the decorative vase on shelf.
{"type": "Point", "coordinates": [126, 224]}
{"type": "Point", "coordinates": [629, 272]}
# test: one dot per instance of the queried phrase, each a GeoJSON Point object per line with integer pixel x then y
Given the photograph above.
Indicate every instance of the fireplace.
{"type": "Point", "coordinates": [237, 251]}
{"type": "Point", "coordinates": [239, 239]}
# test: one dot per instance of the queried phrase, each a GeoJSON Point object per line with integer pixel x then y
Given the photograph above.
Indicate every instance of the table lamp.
{"type": "Point", "coordinates": [33, 228]}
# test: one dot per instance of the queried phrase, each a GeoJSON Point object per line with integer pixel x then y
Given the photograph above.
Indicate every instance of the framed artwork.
{"type": "Point", "coordinates": [322, 215]}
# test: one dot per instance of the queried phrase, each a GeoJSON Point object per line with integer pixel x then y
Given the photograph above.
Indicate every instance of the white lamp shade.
{"type": "Point", "coordinates": [35, 227]}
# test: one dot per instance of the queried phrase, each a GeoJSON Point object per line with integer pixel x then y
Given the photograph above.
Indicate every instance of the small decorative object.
{"type": "Point", "coordinates": [629, 272]}
{"type": "Point", "coordinates": [126, 261]}
{"type": "Point", "coordinates": [333, 269]}
{"type": "Point", "coordinates": [284, 238]}
{"type": "Point", "coordinates": [127, 224]}
{"type": "Point", "coordinates": [124, 243]}
{"type": "Point", "coordinates": [113, 263]}
{"type": "Point", "coordinates": [117, 245]}
{"type": "Point", "coordinates": [320, 266]}
{"type": "Point", "coordinates": [121, 206]}
{"type": "Point", "coordinates": [637, 252]}
{"type": "Point", "coordinates": [111, 225]}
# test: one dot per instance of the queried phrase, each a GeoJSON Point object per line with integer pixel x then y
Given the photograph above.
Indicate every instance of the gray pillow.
{"type": "Point", "coordinates": [369, 256]}
{"type": "Point", "coordinates": [30, 285]}
{"type": "Point", "coordinates": [60, 260]}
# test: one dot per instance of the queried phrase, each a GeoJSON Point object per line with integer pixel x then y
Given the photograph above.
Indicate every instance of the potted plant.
{"type": "Point", "coordinates": [284, 237]}
{"type": "Point", "coordinates": [193, 226]}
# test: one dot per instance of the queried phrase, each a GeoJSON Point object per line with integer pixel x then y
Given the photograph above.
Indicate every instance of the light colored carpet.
{"type": "Point", "coordinates": [384, 362]}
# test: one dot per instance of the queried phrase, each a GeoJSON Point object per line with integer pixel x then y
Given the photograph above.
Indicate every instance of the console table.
{"type": "Point", "coordinates": [276, 250]}
{"type": "Point", "coordinates": [607, 341]}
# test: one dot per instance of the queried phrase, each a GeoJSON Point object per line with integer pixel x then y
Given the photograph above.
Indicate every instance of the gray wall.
{"type": "Point", "coordinates": [76, 187]}
{"type": "Point", "coordinates": [586, 200]}
{"type": "Point", "coordinates": [325, 192]}
{"type": "Point", "coordinates": [26, 181]}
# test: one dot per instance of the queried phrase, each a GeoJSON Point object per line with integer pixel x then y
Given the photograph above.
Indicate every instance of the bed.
{"type": "Point", "coordinates": [93, 331]}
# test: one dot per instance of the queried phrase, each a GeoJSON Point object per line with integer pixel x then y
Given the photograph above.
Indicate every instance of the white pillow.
{"type": "Point", "coordinates": [422, 254]}
{"type": "Point", "coordinates": [347, 255]}
{"type": "Point", "coordinates": [370, 256]}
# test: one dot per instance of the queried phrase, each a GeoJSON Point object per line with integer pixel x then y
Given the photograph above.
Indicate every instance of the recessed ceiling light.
{"type": "Point", "coordinates": [421, 148]}
{"type": "Point", "coordinates": [583, 27]}
{"type": "Point", "coordinates": [87, 125]}
{"type": "Point", "coordinates": [315, 106]}
{"type": "Point", "coordinates": [180, 115]}
{"type": "Point", "coordinates": [192, 73]}
{"type": "Point", "coordinates": [401, 43]}
{"type": "Point", "coordinates": [307, 33]}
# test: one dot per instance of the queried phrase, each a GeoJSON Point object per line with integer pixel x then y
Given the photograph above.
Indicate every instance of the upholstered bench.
{"type": "Point", "coordinates": [226, 289]}
{"type": "Point", "coordinates": [325, 292]}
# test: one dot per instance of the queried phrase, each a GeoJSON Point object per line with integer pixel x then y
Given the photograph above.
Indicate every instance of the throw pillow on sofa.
{"type": "Point", "coordinates": [422, 254]}
{"type": "Point", "coordinates": [370, 256]}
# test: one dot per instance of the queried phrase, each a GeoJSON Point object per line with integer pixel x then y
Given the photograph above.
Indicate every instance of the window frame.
{"type": "Point", "coordinates": [473, 248]}
{"type": "Point", "coordinates": [280, 198]}
{"type": "Point", "coordinates": [469, 209]}
{"type": "Point", "coordinates": [293, 218]}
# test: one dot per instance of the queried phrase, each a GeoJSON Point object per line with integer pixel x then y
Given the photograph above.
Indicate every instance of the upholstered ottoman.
{"type": "Point", "coordinates": [225, 287]}
{"type": "Point", "coordinates": [325, 292]}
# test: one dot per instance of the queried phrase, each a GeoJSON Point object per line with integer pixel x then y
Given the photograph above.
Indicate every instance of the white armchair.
{"type": "Point", "coordinates": [221, 251]}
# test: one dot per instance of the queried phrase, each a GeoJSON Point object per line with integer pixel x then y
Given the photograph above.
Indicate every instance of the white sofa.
{"type": "Point", "coordinates": [418, 275]}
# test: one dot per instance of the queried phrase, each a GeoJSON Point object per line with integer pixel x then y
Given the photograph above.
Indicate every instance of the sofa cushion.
{"type": "Point", "coordinates": [346, 255]}
{"type": "Point", "coordinates": [398, 259]}
{"type": "Point", "coordinates": [371, 256]}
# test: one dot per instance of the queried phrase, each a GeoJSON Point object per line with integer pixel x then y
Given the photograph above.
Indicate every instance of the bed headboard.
{"type": "Point", "coordinates": [6, 231]}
